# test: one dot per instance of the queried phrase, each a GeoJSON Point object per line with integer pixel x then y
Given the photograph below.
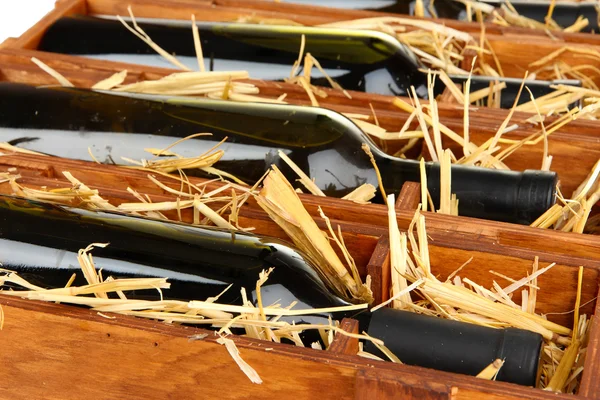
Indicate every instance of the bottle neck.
{"type": "Point", "coordinates": [395, 172]}
{"type": "Point", "coordinates": [509, 196]}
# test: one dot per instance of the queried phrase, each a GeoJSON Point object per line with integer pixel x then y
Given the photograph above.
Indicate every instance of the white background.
{"type": "Point", "coordinates": [16, 16]}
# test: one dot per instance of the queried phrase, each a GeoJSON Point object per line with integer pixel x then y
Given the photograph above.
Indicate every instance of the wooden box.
{"type": "Point", "coordinates": [578, 137]}
{"type": "Point", "coordinates": [128, 357]}
{"type": "Point", "coordinates": [111, 357]}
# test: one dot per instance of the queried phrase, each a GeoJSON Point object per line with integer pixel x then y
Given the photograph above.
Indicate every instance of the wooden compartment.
{"type": "Point", "coordinates": [578, 137]}
{"type": "Point", "coordinates": [141, 350]}
{"type": "Point", "coordinates": [517, 55]}
{"type": "Point", "coordinates": [231, 10]}
{"type": "Point", "coordinates": [520, 46]}
{"type": "Point", "coordinates": [107, 358]}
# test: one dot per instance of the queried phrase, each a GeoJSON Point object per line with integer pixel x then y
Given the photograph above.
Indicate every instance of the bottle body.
{"type": "Point", "coordinates": [40, 241]}
{"type": "Point", "coordinates": [360, 60]}
{"type": "Point", "coordinates": [431, 9]}
{"type": "Point", "coordinates": [71, 123]}
{"type": "Point", "coordinates": [448, 345]}
{"type": "Point", "coordinates": [365, 61]}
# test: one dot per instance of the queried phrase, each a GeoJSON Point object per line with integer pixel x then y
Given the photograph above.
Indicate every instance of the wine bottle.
{"type": "Point", "coordinates": [565, 13]}
{"type": "Point", "coordinates": [70, 122]}
{"type": "Point", "coordinates": [431, 9]}
{"type": "Point", "coordinates": [40, 241]}
{"type": "Point", "coordinates": [366, 61]}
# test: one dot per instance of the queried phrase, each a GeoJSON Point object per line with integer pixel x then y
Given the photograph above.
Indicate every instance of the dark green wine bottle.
{"type": "Point", "coordinates": [69, 122]}
{"type": "Point", "coordinates": [366, 61]}
{"type": "Point", "coordinates": [40, 242]}
{"type": "Point", "coordinates": [439, 9]}
{"type": "Point", "coordinates": [361, 60]}
{"type": "Point", "coordinates": [565, 13]}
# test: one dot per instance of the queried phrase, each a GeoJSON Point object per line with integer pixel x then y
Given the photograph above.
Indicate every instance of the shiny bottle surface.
{"type": "Point", "coordinates": [366, 61]}
{"type": "Point", "coordinates": [327, 146]}
{"type": "Point", "coordinates": [360, 60]}
{"type": "Point", "coordinates": [41, 241]}
{"type": "Point", "coordinates": [439, 9]}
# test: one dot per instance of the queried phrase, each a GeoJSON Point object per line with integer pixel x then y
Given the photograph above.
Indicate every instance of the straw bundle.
{"type": "Point", "coordinates": [463, 300]}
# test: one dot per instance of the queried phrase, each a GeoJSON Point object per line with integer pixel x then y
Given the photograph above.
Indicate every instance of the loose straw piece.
{"type": "Point", "coordinates": [491, 371]}
{"type": "Point", "coordinates": [361, 194]}
{"type": "Point", "coordinates": [367, 150]}
{"type": "Point", "coordinates": [304, 179]}
{"type": "Point", "coordinates": [235, 354]}
{"type": "Point", "coordinates": [139, 32]}
{"type": "Point", "coordinates": [466, 105]}
{"type": "Point", "coordinates": [198, 45]}
{"type": "Point", "coordinates": [111, 82]}
{"type": "Point", "coordinates": [423, 185]}
{"type": "Point", "coordinates": [398, 259]}
{"type": "Point", "coordinates": [53, 73]}
{"type": "Point", "coordinates": [400, 294]}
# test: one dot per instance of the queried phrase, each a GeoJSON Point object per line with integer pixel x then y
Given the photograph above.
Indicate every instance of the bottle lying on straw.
{"type": "Point", "coordinates": [352, 59]}
{"type": "Point", "coordinates": [42, 244]}
{"type": "Point", "coordinates": [326, 146]}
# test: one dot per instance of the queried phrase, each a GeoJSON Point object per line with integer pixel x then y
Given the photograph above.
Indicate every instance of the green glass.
{"type": "Point", "coordinates": [366, 61]}
{"type": "Point", "coordinates": [71, 123]}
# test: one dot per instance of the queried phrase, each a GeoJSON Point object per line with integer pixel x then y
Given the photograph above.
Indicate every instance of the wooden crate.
{"type": "Point", "coordinates": [138, 351]}
{"type": "Point", "coordinates": [82, 342]}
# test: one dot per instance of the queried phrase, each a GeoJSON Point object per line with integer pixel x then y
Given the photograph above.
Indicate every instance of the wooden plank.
{"type": "Point", "coordinates": [343, 344]}
{"type": "Point", "coordinates": [409, 197]}
{"type": "Point", "coordinates": [74, 354]}
{"type": "Point", "coordinates": [87, 355]}
{"type": "Point", "coordinates": [31, 38]}
{"type": "Point", "coordinates": [378, 269]}
{"type": "Point", "coordinates": [590, 385]}
{"type": "Point", "coordinates": [385, 385]}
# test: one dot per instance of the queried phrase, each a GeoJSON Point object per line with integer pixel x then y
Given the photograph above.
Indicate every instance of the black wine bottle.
{"type": "Point", "coordinates": [565, 13]}
{"type": "Point", "coordinates": [69, 122]}
{"type": "Point", "coordinates": [439, 9]}
{"type": "Point", "coordinates": [40, 241]}
{"type": "Point", "coordinates": [366, 61]}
